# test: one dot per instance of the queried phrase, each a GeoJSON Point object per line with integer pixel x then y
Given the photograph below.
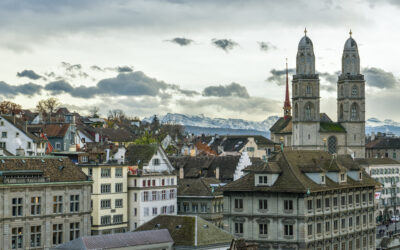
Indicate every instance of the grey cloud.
{"type": "Point", "coordinates": [181, 41]}
{"type": "Point", "coordinates": [30, 74]}
{"type": "Point", "coordinates": [266, 46]}
{"type": "Point", "coordinates": [278, 76]}
{"type": "Point", "coordinates": [330, 78]}
{"type": "Point", "coordinates": [376, 77]}
{"type": "Point", "coordinates": [233, 89]}
{"type": "Point", "coordinates": [95, 67]}
{"type": "Point", "coordinates": [28, 89]}
{"type": "Point", "coordinates": [224, 44]}
{"type": "Point", "coordinates": [124, 69]}
{"type": "Point", "coordinates": [74, 70]}
{"type": "Point", "coordinates": [124, 84]}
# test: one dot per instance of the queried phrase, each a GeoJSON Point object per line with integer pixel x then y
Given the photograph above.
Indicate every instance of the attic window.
{"type": "Point", "coordinates": [322, 179]}
{"type": "Point", "coordinates": [342, 177]}
{"type": "Point", "coordinates": [360, 175]}
{"type": "Point", "coordinates": [263, 180]}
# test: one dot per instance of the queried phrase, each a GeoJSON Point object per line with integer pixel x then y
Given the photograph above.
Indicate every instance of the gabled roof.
{"type": "Point", "coordinates": [377, 161]}
{"type": "Point", "coordinates": [260, 166]}
{"type": "Point", "coordinates": [56, 130]}
{"type": "Point", "coordinates": [119, 241]}
{"type": "Point", "coordinates": [140, 154]}
{"type": "Point", "coordinates": [57, 169]}
{"type": "Point", "coordinates": [205, 166]}
{"type": "Point", "coordinates": [197, 187]}
{"type": "Point", "coordinates": [116, 134]}
{"type": "Point", "coordinates": [189, 230]}
{"type": "Point", "coordinates": [296, 164]}
{"type": "Point", "coordinates": [282, 126]}
{"type": "Point", "coordinates": [384, 143]}
{"type": "Point", "coordinates": [19, 124]}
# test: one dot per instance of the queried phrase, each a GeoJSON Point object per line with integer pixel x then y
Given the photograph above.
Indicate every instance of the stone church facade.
{"type": "Point", "coordinates": [309, 129]}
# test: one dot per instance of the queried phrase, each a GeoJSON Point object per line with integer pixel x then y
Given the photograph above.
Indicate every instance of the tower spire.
{"type": "Point", "coordinates": [286, 105]}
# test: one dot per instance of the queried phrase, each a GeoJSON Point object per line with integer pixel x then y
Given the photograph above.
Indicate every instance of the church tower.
{"type": "Point", "coordinates": [351, 99]}
{"type": "Point", "coordinates": [305, 96]}
{"type": "Point", "coordinates": [286, 105]}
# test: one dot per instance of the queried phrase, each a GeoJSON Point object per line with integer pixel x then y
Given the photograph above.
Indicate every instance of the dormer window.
{"type": "Point", "coordinates": [342, 177]}
{"type": "Point", "coordinates": [322, 179]}
{"type": "Point", "coordinates": [360, 175]}
{"type": "Point", "coordinates": [262, 180]}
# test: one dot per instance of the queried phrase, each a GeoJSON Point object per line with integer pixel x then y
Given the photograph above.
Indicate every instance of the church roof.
{"type": "Point", "coordinates": [331, 127]}
{"type": "Point", "coordinates": [305, 42]}
{"type": "Point", "coordinates": [350, 44]}
{"type": "Point", "coordinates": [282, 125]}
{"type": "Point", "coordinates": [294, 166]}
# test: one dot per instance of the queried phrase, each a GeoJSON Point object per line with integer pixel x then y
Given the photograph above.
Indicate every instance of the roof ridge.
{"type": "Point", "coordinates": [291, 170]}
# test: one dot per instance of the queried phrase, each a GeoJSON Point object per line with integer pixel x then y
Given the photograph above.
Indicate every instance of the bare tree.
{"type": "Point", "coordinates": [48, 106]}
{"type": "Point", "coordinates": [116, 115]}
{"type": "Point", "coordinates": [7, 107]}
{"type": "Point", "coordinates": [94, 112]}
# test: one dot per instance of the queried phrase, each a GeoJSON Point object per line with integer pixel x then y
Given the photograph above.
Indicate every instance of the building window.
{"type": "Point", "coordinates": [29, 146]}
{"type": "Point", "coordinates": [195, 207]}
{"type": "Point", "coordinates": [154, 211]}
{"type": "Point", "coordinates": [343, 201]}
{"type": "Point", "coordinates": [2, 145]}
{"type": "Point", "coordinates": [263, 204]}
{"type": "Point", "coordinates": [85, 158]}
{"type": "Point", "coordinates": [90, 171]}
{"type": "Point", "coordinates": [238, 203]}
{"type": "Point", "coordinates": [262, 179]}
{"type": "Point", "coordinates": [171, 209]}
{"type": "Point", "coordinates": [172, 193]}
{"type": "Point", "coordinates": [163, 194]}
{"type": "Point", "coordinates": [309, 204]}
{"type": "Point", "coordinates": [36, 205]}
{"type": "Point", "coordinates": [156, 161]}
{"type": "Point", "coordinates": [153, 183]}
{"type": "Point", "coordinates": [288, 230]}
{"type": "Point", "coordinates": [36, 236]}
{"type": "Point", "coordinates": [118, 203]}
{"type": "Point", "coordinates": [74, 230]}
{"type": "Point", "coordinates": [185, 207]}
{"type": "Point", "coordinates": [118, 172]}
{"type": "Point", "coordinates": [3, 134]}
{"type": "Point", "coordinates": [357, 243]}
{"type": "Point", "coordinates": [164, 209]}
{"type": "Point", "coordinates": [118, 187]}
{"type": "Point", "coordinates": [350, 199]}
{"type": "Point", "coordinates": [370, 218]}
{"type": "Point", "coordinates": [74, 203]}
{"type": "Point", "coordinates": [154, 195]}
{"type": "Point", "coordinates": [332, 145]}
{"type": "Point", "coordinates": [350, 221]}
{"type": "Point", "coordinates": [263, 229]}
{"type": "Point", "coordinates": [335, 225]}
{"type": "Point", "coordinates": [135, 211]}
{"type": "Point", "coordinates": [335, 201]}
{"type": "Point", "coordinates": [364, 198]}
{"type": "Point", "coordinates": [105, 172]}
{"type": "Point", "coordinates": [105, 220]}
{"type": "Point", "coordinates": [145, 196]}
{"type": "Point", "coordinates": [146, 211]}
{"type": "Point", "coordinates": [364, 221]}
{"type": "Point", "coordinates": [319, 228]}
{"type": "Point", "coordinates": [250, 149]}
{"type": "Point", "coordinates": [105, 204]}
{"type": "Point", "coordinates": [288, 205]}
{"type": "Point", "coordinates": [17, 238]}
{"type": "Point", "coordinates": [357, 198]}
{"type": "Point", "coordinates": [203, 207]}
{"type": "Point", "coordinates": [343, 223]}
{"type": "Point", "coordinates": [57, 204]}
{"type": "Point", "coordinates": [117, 219]}
{"type": "Point", "coordinates": [354, 91]}
{"type": "Point", "coordinates": [309, 230]}
{"type": "Point", "coordinates": [327, 202]}
{"type": "Point", "coordinates": [57, 234]}
{"type": "Point", "coordinates": [105, 188]}
{"type": "Point", "coordinates": [319, 203]}
{"type": "Point", "coordinates": [327, 226]}
{"type": "Point", "coordinates": [371, 197]}
{"type": "Point", "coordinates": [58, 146]}
{"type": "Point", "coordinates": [172, 181]}
{"type": "Point", "coordinates": [308, 89]}
{"type": "Point", "coordinates": [354, 111]}
{"type": "Point", "coordinates": [162, 182]}
{"type": "Point", "coordinates": [342, 177]}
{"type": "Point", "coordinates": [238, 228]}
{"type": "Point", "coordinates": [357, 220]}
{"type": "Point", "coordinates": [17, 207]}
{"type": "Point", "coordinates": [144, 183]}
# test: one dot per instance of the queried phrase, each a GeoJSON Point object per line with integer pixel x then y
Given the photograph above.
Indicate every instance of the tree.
{"type": "Point", "coordinates": [7, 107]}
{"type": "Point", "coordinates": [48, 106]}
{"type": "Point", "coordinates": [155, 124]}
{"type": "Point", "coordinates": [94, 112]}
{"type": "Point", "coordinates": [145, 139]}
{"type": "Point", "coordinates": [116, 115]}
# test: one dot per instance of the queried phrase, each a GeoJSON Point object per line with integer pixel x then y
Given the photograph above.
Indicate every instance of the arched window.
{"type": "Point", "coordinates": [309, 111]}
{"type": "Point", "coordinates": [354, 91]}
{"type": "Point", "coordinates": [296, 111]}
{"type": "Point", "coordinates": [296, 88]}
{"type": "Point", "coordinates": [332, 144]}
{"type": "Point", "coordinates": [354, 111]}
{"type": "Point", "coordinates": [308, 89]}
{"type": "Point", "coordinates": [341, 91]}
{"type": "Point", "coordinates": [341, 111]}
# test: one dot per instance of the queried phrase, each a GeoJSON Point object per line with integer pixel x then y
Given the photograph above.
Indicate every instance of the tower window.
{"type": "Point", "coordinates": [308, 89]}
{"type": "Point", "coordinates": [296, 110]}
{"type": "Point", "coordinates": [341, 90]}
{"type": "Point", "coordinates": [354, 91]}
{"type": "Point", "coordinates": [332, 144]}
{"type": "Point", "coordinates": [341, 111]}
{"type": "Point", "coordinates": [354, 111]}
{"type": "Point", "coordinates": [309, 111]}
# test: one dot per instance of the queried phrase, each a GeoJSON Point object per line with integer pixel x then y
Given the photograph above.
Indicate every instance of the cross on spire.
{"type": "Point", "coordinates": [305, 31]}
{"type": "Point", "coordinates": [350, 33]}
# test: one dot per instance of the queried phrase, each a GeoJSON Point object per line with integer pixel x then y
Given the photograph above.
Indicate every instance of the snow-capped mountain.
{"type": "Point", "coordinates": [207, 122]}
{"type": "Point", "coordinates": [202, 124]}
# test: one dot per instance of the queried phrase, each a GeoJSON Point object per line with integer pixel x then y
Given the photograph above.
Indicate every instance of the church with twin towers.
{"type": "Point", "coordinates": [303, 125]}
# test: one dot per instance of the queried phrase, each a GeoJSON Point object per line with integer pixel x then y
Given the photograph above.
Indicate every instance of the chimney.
{"type": "Point", "coordinates": [181, 173]}
{"type": "Point", "coordinates": [20, 152]}
{"type": "Point", "coordinates": [217, 173]}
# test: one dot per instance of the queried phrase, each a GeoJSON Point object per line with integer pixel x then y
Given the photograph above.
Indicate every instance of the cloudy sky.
{"type": "Point", "coordinates": [218, 58]}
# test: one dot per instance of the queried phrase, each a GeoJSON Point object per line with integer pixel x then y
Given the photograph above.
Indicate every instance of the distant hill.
{"type": "Point", "coordinates": [200, 124]}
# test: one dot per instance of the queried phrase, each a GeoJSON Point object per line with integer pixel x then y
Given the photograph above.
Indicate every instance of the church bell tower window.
{"type": "Point", "coordinates": [354, 91]}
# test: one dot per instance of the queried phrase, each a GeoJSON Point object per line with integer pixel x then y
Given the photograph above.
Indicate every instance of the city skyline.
{"type": "Point", "coordinates": [221, 59]}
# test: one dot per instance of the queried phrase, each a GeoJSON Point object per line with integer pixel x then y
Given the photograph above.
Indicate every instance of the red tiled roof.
{"type": "Point", "coordinates": [56, 130]}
